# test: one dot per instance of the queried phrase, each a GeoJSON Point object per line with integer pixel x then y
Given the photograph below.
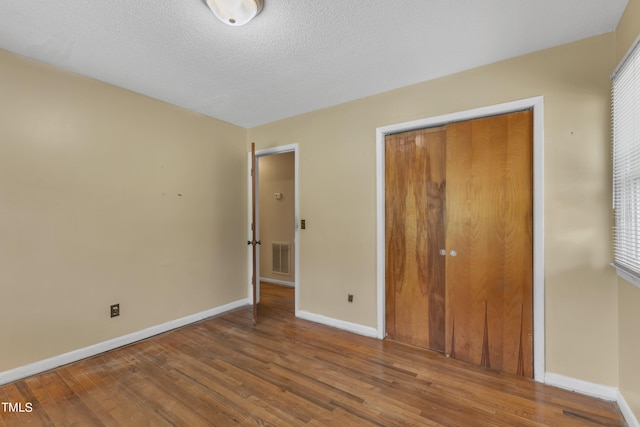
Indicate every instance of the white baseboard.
{"type": "Point", "coordinates": [277, 282]}
{"type": "Point", "coordinates": [356, 328]}
{"type": "Point", "coordinates": [92, 350]}
{"type": "Point", "coordinates": [627, 413]}
{"type": "Point", "coordinates": [595, 390]}
{"type": "Point", "coordinates": [584, 387]}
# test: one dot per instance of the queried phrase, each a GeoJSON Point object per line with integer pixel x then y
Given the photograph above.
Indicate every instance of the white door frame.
{"type": "Point", "coordinates": [296, 240]}
{"type": "Point", "coordinates": [537, 103]}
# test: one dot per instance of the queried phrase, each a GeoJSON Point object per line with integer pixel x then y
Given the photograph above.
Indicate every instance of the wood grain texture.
{"type": "Point", "coordinates": [489, 224]}
{"type": "Point", "coordinates": [415, 190]}
{"type": "Point", "coordinates": [284, 371]}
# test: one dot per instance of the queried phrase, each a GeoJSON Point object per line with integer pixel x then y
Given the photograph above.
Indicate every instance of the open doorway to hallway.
{"type": "Point", "coordinates": [276, 221]}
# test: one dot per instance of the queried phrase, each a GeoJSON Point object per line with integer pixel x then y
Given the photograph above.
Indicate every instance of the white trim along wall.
{"type": "Point", "coordinates": [93, 350]}
{"type": "Point", "coordinates": [278, 282]}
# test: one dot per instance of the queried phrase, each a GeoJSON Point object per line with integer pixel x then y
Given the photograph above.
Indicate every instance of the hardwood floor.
{"type": "Point", "coordinates": [287, 372]}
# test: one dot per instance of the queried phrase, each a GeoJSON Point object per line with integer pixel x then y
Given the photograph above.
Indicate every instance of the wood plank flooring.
{"type": "Point", "coordinates": [287, 372]}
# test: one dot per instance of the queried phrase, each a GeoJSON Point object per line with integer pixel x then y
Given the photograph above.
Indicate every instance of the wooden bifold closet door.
{"type": "Point", "coordinates": [459, 249]}
{"type": "Point", "coordinates": [415, 197]}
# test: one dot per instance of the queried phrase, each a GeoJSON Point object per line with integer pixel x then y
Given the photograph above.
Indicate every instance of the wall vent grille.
{"type": "Point", "coordinates": [280, 257]}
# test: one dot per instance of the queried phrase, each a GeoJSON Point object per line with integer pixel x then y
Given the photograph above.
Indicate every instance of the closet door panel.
{"type": "Point", "coordinates": [489, 229]}
{"type": "Point", "coordinates": [414, 235]}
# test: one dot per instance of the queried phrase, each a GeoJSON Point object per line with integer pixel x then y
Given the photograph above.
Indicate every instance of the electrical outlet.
{"type": "Point", "coordinates": [115, 310]}
{"type": "Point", "coordinates": [350, 298]}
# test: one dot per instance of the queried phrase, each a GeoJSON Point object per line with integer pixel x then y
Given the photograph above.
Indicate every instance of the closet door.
{"type": "Point", "coordinates": [489, 242]}
{"type": "Point", "coordinates": [414, 210]}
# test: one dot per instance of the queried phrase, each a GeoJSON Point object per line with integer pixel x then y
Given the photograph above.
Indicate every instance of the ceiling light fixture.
{"type": "Point", "coordinates": [235, 12]}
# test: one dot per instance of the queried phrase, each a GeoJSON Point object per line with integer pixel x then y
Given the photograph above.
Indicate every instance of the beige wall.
{"type": "Point", "coordinates": [628, 295]}
{"type": "Point", "coordinates": [277, 217]}
{"type": "Point", "coordinates": [337, 193]}
{"type": "Point", "coordinates": [110, 197]}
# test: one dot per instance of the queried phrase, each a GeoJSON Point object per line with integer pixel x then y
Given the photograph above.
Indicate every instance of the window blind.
{"type": "Point", "coordinates": [626, 162]}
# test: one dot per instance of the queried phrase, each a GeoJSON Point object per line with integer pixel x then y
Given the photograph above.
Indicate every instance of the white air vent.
{"type": "Point", "coordinates": [280, 257]}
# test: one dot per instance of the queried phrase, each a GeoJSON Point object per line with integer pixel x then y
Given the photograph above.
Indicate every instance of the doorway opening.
{"type": "Point", "coordinates": [277, 216]}
{"type": "Point", "coordinates": [536, 104]}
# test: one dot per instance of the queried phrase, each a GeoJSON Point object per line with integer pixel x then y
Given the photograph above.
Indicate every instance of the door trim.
{"type": "Point", "coordinates": [296, 240]}
{"type": "Point", "coordinates": [537, 103]}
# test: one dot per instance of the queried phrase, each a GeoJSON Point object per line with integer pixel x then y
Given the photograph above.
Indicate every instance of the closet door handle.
{"type": "Point", "coordinates": [443, 252]}
{"type": "Point", "coordinates": [453, 252]}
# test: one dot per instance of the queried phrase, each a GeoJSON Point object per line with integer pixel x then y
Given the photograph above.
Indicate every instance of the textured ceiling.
{"type": "Point", "coordinates": [297, 55]}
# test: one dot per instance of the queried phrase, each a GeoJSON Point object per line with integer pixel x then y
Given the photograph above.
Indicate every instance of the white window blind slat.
{"type": "Point", "coordinates": [625, 118]}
